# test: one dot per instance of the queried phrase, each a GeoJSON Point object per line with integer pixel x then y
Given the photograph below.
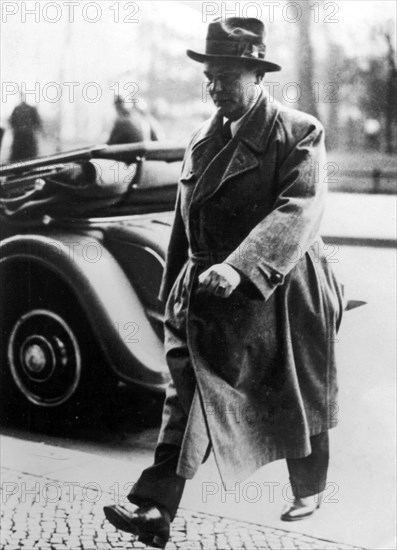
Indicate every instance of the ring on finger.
{"type": "Point", "coordinates": [220, 289]}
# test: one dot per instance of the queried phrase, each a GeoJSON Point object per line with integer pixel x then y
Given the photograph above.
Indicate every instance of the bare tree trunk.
{"type": "Point", "coordinates": [331, 94]}
{"type": "Point", "coordinates": [65, 53]}
{"type": "Point", "coordinates": [305, 61]}
{"type": "Point", "coordinates": [391, 113]}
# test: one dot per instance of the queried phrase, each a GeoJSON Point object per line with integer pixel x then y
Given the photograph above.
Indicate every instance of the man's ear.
{"type": "Point", "coordinates": [259, 77]}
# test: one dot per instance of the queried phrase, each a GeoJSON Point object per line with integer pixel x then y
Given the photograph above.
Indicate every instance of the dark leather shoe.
{"type": "Point", "coordinates": [150, 524]}
{"type": "Point", "coordinates": [301, 508]}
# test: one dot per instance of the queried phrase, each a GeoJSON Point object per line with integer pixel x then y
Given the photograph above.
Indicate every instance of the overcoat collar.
{"type": "Point", "coordinates": [265, 110]}
{"type": "Point", "coordinates": [215, 163]}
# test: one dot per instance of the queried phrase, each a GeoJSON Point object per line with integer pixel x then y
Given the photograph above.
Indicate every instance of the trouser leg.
{"type": "Point", "coordinates": [160, 484]}
{"type": "Point", "coordinates": [308, 476]}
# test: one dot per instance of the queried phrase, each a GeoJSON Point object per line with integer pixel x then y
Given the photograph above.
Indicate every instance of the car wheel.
{"type": "Point", "coordinates": [44, 357]}
{"type": "Point", "coordinates": [52, 370]}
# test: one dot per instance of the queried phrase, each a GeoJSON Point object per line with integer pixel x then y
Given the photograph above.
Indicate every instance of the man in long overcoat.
{"type": "Point", "coordinates": [252, 305]}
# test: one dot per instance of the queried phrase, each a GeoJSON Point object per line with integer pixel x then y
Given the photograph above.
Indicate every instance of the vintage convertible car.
{"type": "Point", "coordinates": [83, 241]}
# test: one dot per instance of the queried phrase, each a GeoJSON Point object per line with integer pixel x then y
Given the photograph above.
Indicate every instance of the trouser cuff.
{"type": "Point", "coordinates": [303, 490]}
{"type": "Point", "coordinates": [159, 484]}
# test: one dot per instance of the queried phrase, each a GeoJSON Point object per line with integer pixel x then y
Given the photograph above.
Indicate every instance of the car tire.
{"type": "Point", "coordinates": [53, 373]}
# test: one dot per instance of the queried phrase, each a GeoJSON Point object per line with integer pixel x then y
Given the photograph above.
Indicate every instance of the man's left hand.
{"type": "Point", "coordinates": [220, 280]}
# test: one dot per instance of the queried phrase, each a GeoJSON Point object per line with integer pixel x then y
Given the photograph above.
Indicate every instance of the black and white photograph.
{"type": "Point", "coordinates": [198, 229]}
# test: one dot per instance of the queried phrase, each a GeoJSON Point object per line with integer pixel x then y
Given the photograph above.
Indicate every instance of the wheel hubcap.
{"type": "Point", "coordinates": [34, 359]}
{"type": "Point", "coordinates": [44, 358]}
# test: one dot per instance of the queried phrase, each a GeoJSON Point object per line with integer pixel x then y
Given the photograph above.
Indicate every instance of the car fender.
{"type": "Point", "coordinates": [112, 306]}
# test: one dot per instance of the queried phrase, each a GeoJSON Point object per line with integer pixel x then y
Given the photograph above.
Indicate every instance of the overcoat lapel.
{"type": "Point", "coordinates": [220, 163]}
{"type": "Point", "coordinates": [207, 145]}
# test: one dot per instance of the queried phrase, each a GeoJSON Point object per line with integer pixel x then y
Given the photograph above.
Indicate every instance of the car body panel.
{"type": "Point", "coordinates": [112, 306]}
{"type": "Point", "coordinates": [102, 229]}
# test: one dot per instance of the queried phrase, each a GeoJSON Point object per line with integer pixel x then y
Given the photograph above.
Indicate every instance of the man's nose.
{"type": "Point", "coordinates": [217, 85]}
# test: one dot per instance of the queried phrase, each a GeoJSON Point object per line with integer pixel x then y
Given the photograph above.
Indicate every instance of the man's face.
{"type": "Point", "coordinates": [232, 87]}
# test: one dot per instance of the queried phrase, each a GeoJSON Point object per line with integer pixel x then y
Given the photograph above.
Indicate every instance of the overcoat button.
{"type": "Point", "coordinates": [275, 278]}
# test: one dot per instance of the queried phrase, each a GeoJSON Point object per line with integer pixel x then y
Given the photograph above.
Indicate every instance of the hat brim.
{"type": "Point", "coordinates": [248, 61]}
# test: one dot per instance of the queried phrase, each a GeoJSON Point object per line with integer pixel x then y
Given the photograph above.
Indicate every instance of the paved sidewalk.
{"type": "Point", "coordinates": [43, 513]}
{"type": "Point", "coordinates": [47, 510]}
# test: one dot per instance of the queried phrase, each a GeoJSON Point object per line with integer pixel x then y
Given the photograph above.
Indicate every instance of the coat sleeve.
{"type": "Point", "coordinates": [280, 240]}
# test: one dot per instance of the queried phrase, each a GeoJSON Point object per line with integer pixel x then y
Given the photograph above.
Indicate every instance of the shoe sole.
{"type": "Point", "coordinates": [298, 518]}
{"type": "Point", "coordinates": [117, 520]}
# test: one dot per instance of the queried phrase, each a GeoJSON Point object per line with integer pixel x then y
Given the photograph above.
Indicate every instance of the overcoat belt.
{"type": "Point", "coordinates": [253, 375]}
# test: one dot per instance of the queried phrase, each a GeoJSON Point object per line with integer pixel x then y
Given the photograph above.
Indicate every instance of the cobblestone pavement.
{"type": "Point", "coordinates": [39, 512]}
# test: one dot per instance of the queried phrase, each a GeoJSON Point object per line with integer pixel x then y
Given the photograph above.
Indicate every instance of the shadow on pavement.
{"type": "Point", "coordinates": [126, 412]}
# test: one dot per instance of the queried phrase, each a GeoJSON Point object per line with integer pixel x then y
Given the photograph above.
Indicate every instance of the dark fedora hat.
{"type": "Point", "coordinates": [236, 38]}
